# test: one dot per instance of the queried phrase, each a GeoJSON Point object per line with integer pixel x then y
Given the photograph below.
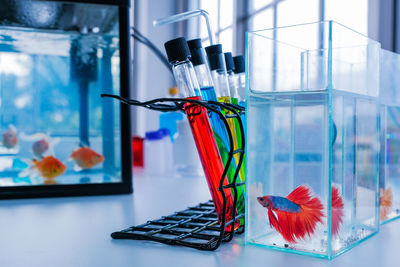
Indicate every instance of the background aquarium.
{"type": "Point", "coordinates": [55, 61]}
{"type": "Point", "coordinates": [389, 185]}
{"type": "Point", "coordinates": [313, 119]}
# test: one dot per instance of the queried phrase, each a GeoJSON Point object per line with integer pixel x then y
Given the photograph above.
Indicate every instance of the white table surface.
{"type": "Point", "coordinates": [75, 231]}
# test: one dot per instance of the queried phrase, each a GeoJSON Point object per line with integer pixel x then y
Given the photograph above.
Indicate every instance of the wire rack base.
{"type": "Point", "coordinates": [195, 227]}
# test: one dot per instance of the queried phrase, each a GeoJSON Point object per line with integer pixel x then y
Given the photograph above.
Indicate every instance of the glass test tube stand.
{"type": "Point", "coordinates": [197, 227]}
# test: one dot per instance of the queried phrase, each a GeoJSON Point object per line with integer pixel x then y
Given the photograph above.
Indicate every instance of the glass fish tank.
{"type": "Point", "coordinates": [389, 183]}
{"type": "Point", "coordinates": [58, 136]}
{"type": "Point", "coordinates": [312, 139]}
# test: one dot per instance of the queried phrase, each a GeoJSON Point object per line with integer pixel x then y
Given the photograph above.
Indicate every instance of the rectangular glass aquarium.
{"type": "Point", "coordinates": [58, 136]}
{"type": "Point", "coordinates": [389, 185]}
{"type": "Point", "coordinates": [313, 138]}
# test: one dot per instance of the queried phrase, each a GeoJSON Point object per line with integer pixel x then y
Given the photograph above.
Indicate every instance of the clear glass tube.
{"type": "Point", "coordinates": [185, 78]}
{"type": "Point", "coordinates": [188, 15]}
{"type": "Point", "coordinates": [233, 86]}
{"type": "Point", "coordinates": [241, 84]}
{"type": "Point", "coordinates": [203, 76]}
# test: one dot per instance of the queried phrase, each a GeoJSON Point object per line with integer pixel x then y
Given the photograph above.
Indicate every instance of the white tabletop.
{"type": "Point", "coordinates": [75, 231]}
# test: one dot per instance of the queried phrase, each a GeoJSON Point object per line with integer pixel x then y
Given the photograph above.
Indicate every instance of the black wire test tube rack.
{"type": "Point", "coordinates": [196, 227]}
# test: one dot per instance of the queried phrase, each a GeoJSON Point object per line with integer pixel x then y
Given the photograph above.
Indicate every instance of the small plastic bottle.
{"type": "Point", "coordinates": [158, 155]}
{"type": "Point", "coordinates": [169, 151]}
{"type": "Point", "coordinates": [168, 119]}
{"type": "Point", "coordinates": [186, 158]}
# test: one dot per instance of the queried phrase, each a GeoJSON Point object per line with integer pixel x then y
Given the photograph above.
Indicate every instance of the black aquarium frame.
{"type": "Point", "coordinates": [125, 186]}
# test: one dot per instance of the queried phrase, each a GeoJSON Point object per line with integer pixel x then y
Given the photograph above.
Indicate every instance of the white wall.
{"type": "Point", "coordinates": [151, 79]}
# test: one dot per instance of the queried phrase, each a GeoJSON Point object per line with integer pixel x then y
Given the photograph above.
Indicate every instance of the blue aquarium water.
{"type": "Point", "coordinates": [295, 139]}
{"type": "Point", "coordinates": [50, 86]}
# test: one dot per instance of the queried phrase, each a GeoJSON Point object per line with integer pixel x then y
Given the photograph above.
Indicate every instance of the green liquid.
{"type": "Point", "coordinates": [234, 127]}
{"type": "Point", "coordinates": [239, 139]}
{"type": "Point", "coordinates": [240, 205]}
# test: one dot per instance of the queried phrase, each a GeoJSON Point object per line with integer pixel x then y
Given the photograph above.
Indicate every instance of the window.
{"type": "Point", "coordinates": [266, 14]}
{"type": "Point", "coordinates": [221, 16]}
{"type": "Point", "coordinates": [353, 14]}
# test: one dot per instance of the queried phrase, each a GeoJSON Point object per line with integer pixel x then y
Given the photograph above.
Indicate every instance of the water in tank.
{"type": "Point", "coordinates": [55, 61]}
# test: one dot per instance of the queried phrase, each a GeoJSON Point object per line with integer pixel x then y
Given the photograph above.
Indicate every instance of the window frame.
{"type": "Point", "coordinates": [378, 21]}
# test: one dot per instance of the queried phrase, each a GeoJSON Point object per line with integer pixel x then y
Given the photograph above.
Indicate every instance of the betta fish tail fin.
{"type": "Point", "coordinates": [337, 210]}
{"type": "Point", "coordinates": [273, 221]}
{"type": "Point", "coordinates": [304, 222]}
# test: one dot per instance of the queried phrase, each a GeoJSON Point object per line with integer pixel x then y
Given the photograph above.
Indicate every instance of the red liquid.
{"type": "Point", "coordinates": [209, 157]}
{"type": "Point", "coordinates": [137, 151]}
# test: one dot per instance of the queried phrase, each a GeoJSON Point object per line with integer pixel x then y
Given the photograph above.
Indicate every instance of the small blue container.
{"type": "Point", "coordinates": [312, 139]}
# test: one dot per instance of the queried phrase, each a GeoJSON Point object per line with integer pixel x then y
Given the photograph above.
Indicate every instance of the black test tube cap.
{"type": "Point", "coordinates": [230, 66]}
{"type": "Point", "coordinates": [214, 58]}
{"type": "Point", "coordinates": [239, 64]}
{"type": "Point", "coordinates": [177, 50]}
{"type": "Point", "coordinates": [196, 52]}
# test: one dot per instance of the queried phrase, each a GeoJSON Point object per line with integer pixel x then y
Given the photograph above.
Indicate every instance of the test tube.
{"type": "Point", "coordinates": [208, 93]}
{"type": "Point", "coordinates": [178, 55]}
{"type": "Point", "coordinates": [241, 84]}
{"type": "Point", "coordinates": [239, 71]}
{"type": "Point", "coordinates": [233, 89]}
{"type": "Point", "coordinates": [207, 88]}
{"type": "Point", "coordinates": [216, 63]}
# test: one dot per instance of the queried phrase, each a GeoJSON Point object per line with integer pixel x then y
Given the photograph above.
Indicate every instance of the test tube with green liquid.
{"type": "Point", "coordinates": [233, 89]}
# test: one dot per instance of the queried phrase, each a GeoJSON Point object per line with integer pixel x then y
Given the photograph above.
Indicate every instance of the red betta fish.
{"type": "Point", "coordinates": [337, 210]}
{"type": "Point", "coordinates": [295, 216]}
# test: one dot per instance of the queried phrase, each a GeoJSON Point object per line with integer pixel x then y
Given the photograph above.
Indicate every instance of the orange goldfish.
{"type": "Point", "coordinates": [49, 167]}
{"type": "Point", "coordinates": [10, 139]}
{"type": "Point", "coordinates": [386, 202]}
{"type": "Point", "coordinates": [86, 158]}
